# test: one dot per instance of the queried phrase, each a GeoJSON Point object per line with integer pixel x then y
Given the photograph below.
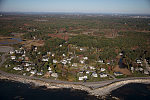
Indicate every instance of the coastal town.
{"type": "Point", "coordinates": [76, 51]}
{"type": "Point", "coordinates": [53, 67]}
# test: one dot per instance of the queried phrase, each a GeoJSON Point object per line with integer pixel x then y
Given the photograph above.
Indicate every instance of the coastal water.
{"type": "Point", "coordinates": [10, 90]}
{"type": "Point", "coordinates": [133, 91]}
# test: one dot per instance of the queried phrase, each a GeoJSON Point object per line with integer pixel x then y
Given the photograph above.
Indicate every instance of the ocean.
{"type": "Point", "coordinates": [11, 90]}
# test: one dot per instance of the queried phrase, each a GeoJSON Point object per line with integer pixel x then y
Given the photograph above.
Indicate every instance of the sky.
{"type": "Point", "coordinates": [85, 6]}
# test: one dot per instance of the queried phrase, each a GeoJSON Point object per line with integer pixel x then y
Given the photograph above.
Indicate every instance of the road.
{"type": "Point", "coordinates": [92, 85]}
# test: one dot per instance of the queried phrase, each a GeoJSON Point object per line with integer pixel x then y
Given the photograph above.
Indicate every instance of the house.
{"type": "Point", "coordinates": [24, 74]}
{"type": "Point", "coordinates": [64, 55]}
{"type": "Point", "coordinates": [60, 45]}
{"type": "Point", "coordinates": [17, 68]}
{"type": "Point", "coordinates": [33, 72]}
{"type": "Point", "coordinates": [23, 55]}
{"type": "Point", "coordinates": [82, 78]}
{"type": "Point", "coordinates": [132, 69]}
{"type": "Point", "coordinates": [64, 62]}
{"type": "Point", "coordinates": [28, 69]}
{"type": "Point", "coordinates": [54, 75]}
{"type": "Point", "coordinates": [6, 66]}
{"type": "Point", "coordinates": [17, 51]}
{"type": "Point", "coordinates": [54, 61]}
{"type": "Point", "coordinates": [121, 54]}
{"type": "Point", "coordinates": [118, 73]}
{"type": "Point", "coordinates": [102, 75]}
{"type": "Point", "coordinates": [101, 61]}
{"type": "Point", "coordinates": [141, 69]}
{"type": "Point", "coordinates": [138, 61]}
{"type": "Point", "coordinates": [102, 69]}
{"type": "Point", "coordinates": [45, 59]}
{"type": "Point", "coordinates": [13, 57]}
{"type": "Point", "coordinates": [108, 63]}
{"type": "Point", "coordinates": [11, 52]}
{"type": "Point", "coordinates": [39, 73]}
{"type": "Point", "coordinates": [27, 64]}
{"type": "Point", "coordinates": [49, 68]}
{"type": "Point", "coordinates": [85, 58]}
{"type": "Point", "coordinates": [92, 67]}
{"type": "Point", "coordinates": [39, 53]}
{"type": "Point", "coordinates": [146, 72]}
{"type": "Point", "coordinates": [48, 53]}
{"type": "Point", "coordinates": [87, 72]}
{"type": "Point", "coordinates": [81, 49]}
{"type": "Point", "coordinates": [74, 64]}
{"type": "Point", "coordinates": [35, 49]}
{"type": "Point", "coordinates": [94, 74]}
{"type": "Point", "coordinates": [53, 55]}
{"type": "Point", "coordinates": [82, 61]}
{"type": "Point", "coordinates": [50, 71]}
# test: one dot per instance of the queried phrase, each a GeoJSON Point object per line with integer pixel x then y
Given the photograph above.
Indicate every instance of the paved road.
{"type": "Point", "coordinates": [92, 85]}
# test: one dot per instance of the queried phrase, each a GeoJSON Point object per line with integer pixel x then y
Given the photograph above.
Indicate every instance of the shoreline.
{"type": "Point", "coordinates": [98, 92]}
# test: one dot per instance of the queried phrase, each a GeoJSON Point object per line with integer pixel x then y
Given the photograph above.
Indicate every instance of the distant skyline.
{"type": "Point", "coordinates": [83, 6]}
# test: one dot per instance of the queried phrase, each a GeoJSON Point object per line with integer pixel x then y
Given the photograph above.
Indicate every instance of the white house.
{"type": "Point", "coordinates": [64, 55]}
{"type": "Point", "coordinates": [92, 67]}
{"type": "Point", "coordinates": [27, 64]}
{"type": "Point", "coordinates": [132, 69]}
{"type": "Point", "coordinates": [54, 75]}
{"type": "Point", "coordinates": [13, 57]}
{"type": "Point", "coordinates": [94, 74]}
{"type": "Point", "coordinates": [146, 72]}
{"type": "Point", "coordinates": [17, 68]}
{"type": "Point", "coordinates": [39, 53]}
{"type": "Point", "coordinates": [87, 72]}
{"type": "Point", "coordinates": [74, 64]}
{"type": "Point", "coordinates": [64, 62]}
{"type": "Point", "coordinates": [101, 61]}
{"type": "Point", "coordinates": [28, 69]}
{"type": "Point", "coordinates": [33, 72]}
{"type": "Point", "coordinates": [141, 69]}
{"type": "Point", "coordinates": [48, 53]}
{"type": "Point", "coordinates": [45, 59]}
{"type": "Point", "coordinates": [82, 78]}
{"type": "Point", "coordinates": [49, 68]}
{"type": "Point", "coordinates": [81, 49]}
{"type": "Point", "coordinates": [85, 58]}
{"type": "Point", "coordinates": [102, 69]}
{"type": "Point", "coordinates": [118, 73]}
{"type": "Point", "coordinates": [102, 75]}
{"type": "Point", "coordinates": [53, 54]}
{"type": "Point", "coordinates": [121, 54]}
{"type": "Point", "coordinates": [60, 45]}
{"type": "Point", "coordinates": [82, 61]}
{"type": "Point", "coordinates": [138, 61]}
{"type": "Point", "coordinates": [54, 61]}
{"type": "Point", "coordinates": [11, 52]}
{"type": "Point", "coordinates": [40, 73]}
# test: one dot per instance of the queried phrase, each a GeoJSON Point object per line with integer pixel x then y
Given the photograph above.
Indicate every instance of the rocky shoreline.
{"type": "Point", "coordinates": [99, 92]}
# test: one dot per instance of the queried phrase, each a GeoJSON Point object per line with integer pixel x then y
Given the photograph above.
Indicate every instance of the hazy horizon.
{"type": "Point", "coordinates": [77, 6]}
